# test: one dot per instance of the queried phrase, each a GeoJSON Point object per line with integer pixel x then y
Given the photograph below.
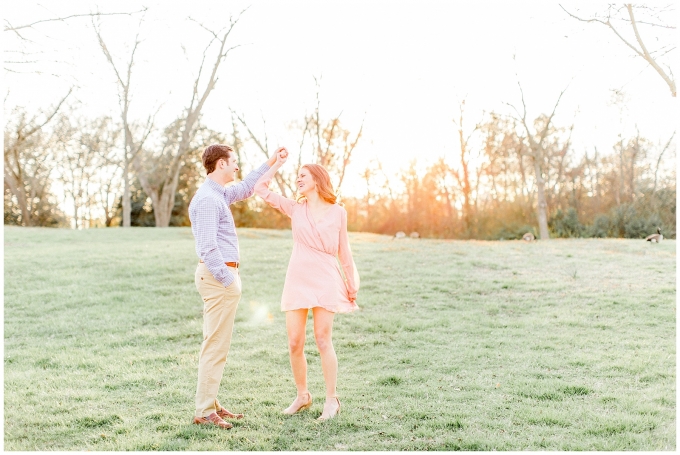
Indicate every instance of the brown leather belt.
{"type": "Point", "coordinates": [228, 264]}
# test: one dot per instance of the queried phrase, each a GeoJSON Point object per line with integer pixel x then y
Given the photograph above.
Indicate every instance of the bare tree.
{"type": "Point", "coordinates": [368, 175]}
{"type": "Point", "coordinates": [108, 179]}
{"type": "Point", "coordinates": [504, 164]}
{"type": "Point", "coordinates": [594, 174]}
{"type": "Point", "coordinates": [133, 146]}
{"type": "Point", "coordinates": [556, 160]}
{"type": "Point", "coordinates": [285, 181]}
{"type": "Point", "coordinates": [463, 176]}
{"type": "Point", "coordinates": [537, 146]}
{"type": "Point", "coordinates": [84, 149]}
{"type": "Point", "coordinates": [635, 150]}
{"type": "Point", "coordinates": [109, 183]}
{"type": "Point", "coordinates": [640, 49]}
{"type": "Point", "coordinates": [442, 173]}
{"type": "Point", "coordinates": [628, 153]}
{"type": "Point", "coordinates": [74, 164]}
{"type": "Point", "coordinates": [159, 174]}
{"type": "Point", "coordinates": [334, 146]}
{"type": "Point", "coordinates": [27, 165]}
{"type": "Point", "coordinates": [331, 145]}
{"type": "Point", "coordinates": [23, 55]}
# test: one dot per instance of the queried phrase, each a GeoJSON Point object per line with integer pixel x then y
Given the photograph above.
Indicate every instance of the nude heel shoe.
{"type": "Point", "coordinates": [307, 405]}
{"type": "Point", "coordinates": [321, 418]}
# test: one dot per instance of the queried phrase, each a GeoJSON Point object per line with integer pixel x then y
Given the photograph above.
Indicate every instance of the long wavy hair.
{"type": "Point", "coordinates": [323, 183]}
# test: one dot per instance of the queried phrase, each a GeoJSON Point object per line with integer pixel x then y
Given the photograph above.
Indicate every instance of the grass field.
{"type": "Point", "coordinates": [560, 345]}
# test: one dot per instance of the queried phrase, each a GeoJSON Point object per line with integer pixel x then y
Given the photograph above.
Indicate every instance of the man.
{"type": "Point", "coordinates": [217, 275]}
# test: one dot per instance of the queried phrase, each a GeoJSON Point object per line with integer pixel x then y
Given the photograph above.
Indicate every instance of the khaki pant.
{"type": "Point", "coordinates": [219, 310]}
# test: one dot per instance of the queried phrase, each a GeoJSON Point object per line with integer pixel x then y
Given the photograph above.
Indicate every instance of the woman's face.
{"type": "Point", "coordinates": [305, 182]}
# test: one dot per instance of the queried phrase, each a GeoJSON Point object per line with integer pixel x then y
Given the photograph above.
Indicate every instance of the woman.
{"type": "Point", "coordinates": [313, 279]}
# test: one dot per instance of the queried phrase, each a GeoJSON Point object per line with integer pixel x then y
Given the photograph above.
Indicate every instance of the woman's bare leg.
{"type": "Point", "coordinates": [296, 323]}
{"type": "Point", "coordinates": [323, 333]}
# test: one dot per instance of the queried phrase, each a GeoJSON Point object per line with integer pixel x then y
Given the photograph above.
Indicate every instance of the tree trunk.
{"type": "Point", "coordinates": [448, 203]}
{"type": "Point", "coordinates": [594, 180]}
{"type": "Point", "coordinates": [631, 175]}
{"type": "Point", "coordinates": [619, 187]}
{"type": "Point", "coordinates": [25, 213]}
{"type": "Point", "coordinates": [15, 182]}
{"type": "Point", "coordinates": [541, 205]}
{"type": "Point", "coordinates": [21, 198]}
{"type": "Point", "coordinates": [163, 209]}
{"type": "Point", "coordinates": [75, 213]}
{"type": "Point", "coordinates": [160, 212]}
{"type": "Point", "coordinates": [163, 201]}
{"type": "Point", "coordinates": [126, 193]}
{"type": "Point", "coordinates": [466, 182]}
{"type": "Point", "coordinates": [520, 158]}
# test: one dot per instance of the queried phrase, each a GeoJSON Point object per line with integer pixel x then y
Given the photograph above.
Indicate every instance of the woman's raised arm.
{"type": "Point", "coordinates": [281, 203]}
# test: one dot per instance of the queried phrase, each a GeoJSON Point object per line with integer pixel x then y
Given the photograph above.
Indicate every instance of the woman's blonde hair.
{"type": "Point", "coordinates": [323, 183]}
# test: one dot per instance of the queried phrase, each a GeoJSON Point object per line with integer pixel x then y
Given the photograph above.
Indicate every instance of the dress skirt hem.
{"type": "Point", "coordinates": [343, 309]}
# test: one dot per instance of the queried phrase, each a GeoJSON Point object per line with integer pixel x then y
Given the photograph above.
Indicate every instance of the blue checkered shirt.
{"type": "Point", "coordinates": [213, 224]}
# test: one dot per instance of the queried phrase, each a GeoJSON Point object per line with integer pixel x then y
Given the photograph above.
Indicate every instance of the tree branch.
{"type": "Point", "coordinates": [9, 27]}
{"type": "Point", "coordinates": [107, 54]}
{"type": "Point", "coordinates": [552, 114]}
{"type": "Point", "coordinates": [348, 152]}
{"type": "Point", "coordinates": [658, 161]}
{"type": "Point", "coordinates": [644, 53]}
{"type": "Point", "coordinates": [671, 83]}
{"type": "Point", "coordinates": [250, 133]}
{"type": "Point", "coordinates": [581, 19]}
{"type": "Point", "coordinates": [50, 116]}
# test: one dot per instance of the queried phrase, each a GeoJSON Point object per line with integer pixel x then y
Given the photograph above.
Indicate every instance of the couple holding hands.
{"type": "Point", "coordinates": [313, 280]}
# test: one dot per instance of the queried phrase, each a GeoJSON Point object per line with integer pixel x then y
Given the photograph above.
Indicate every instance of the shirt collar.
{"type": "Point", "coordinates": [213, 185]}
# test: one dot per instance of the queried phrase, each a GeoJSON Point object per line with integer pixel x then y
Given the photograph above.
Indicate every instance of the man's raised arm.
{"type": "Point", "coordinates": [246, 187]}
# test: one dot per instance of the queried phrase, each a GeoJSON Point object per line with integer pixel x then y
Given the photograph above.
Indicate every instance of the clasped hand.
{"type": "Point", "coordinates": [281, 155]}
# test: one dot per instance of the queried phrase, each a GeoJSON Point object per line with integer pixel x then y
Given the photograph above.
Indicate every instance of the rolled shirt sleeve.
{"type": "Point", "coordinates": [245, 188]}
{"type": "Point", "coordinates": [205, 223]}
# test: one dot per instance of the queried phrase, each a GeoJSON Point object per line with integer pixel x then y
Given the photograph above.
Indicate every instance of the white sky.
{"type": "Point", "coordinates": [403, 65]}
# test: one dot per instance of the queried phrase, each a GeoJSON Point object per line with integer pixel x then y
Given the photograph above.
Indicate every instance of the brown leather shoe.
{"type": "Point", "coordinates": [213, 419]}
{"type": "Point", "coordinates": [222, 412]}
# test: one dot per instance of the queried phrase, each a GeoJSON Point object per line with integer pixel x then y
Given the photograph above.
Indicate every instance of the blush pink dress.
{"type": "Point", "coordinates": [313, 278]}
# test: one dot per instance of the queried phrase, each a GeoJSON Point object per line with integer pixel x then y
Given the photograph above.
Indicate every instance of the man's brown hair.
{"type": "Point", "coordinates": [213, 153]}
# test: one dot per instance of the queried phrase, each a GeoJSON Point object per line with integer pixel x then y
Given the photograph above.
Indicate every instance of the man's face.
{"type": "Point", "coordinates": [229, 167]}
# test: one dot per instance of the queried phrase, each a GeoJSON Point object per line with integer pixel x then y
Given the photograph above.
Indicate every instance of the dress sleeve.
{"type": "Point", "coordinates": [346, 260]}
{"type": "Point", "coordinates": [281, 203]}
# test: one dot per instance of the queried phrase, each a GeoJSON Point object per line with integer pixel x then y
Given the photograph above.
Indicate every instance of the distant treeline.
{"type": "Point", "coordinates": [489, 189]}
{"type": "Point", "coordinates": [422, 209]}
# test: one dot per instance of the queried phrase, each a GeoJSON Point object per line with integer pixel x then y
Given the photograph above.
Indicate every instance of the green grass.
{"type": "Point", "coordinates": [560, 345]}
